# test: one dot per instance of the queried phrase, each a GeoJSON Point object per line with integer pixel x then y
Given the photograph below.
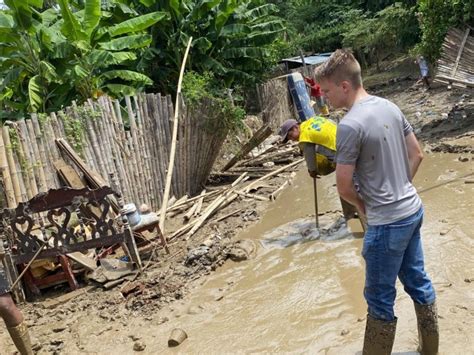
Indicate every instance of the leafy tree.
{"type": "Point", "coordinates": [392, 29]}
{"type": "Point", "coordinates": [51, 57]}
{"type": "Point", "coordinates": [231, 38]}
{"type": "Point", "coordinates": [436, 17]}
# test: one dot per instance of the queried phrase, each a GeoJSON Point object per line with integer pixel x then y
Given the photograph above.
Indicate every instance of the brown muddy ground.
{"type": "Point", "coordinates": [302, 290]}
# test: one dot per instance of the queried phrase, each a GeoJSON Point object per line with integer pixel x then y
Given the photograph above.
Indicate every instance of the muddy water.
{"type": "Point", "coordinates": [303, 291]}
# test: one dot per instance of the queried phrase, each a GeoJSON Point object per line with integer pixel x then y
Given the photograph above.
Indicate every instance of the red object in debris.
{"type": "Point", "coordinates": [315, 88]}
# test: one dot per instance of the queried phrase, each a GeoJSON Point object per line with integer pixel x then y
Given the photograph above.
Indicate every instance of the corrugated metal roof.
{"type": "Point", "coordinates": [309, 60]}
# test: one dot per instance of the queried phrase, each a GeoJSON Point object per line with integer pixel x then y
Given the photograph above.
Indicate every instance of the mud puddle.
{"type": "Point", "coordinates": [302, 293]}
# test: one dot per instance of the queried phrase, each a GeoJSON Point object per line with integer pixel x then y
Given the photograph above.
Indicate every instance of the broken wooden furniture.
{"type": "Point", "coordinates": [26, 233]}
{"type": "Point", "coordinates": [150, 222]}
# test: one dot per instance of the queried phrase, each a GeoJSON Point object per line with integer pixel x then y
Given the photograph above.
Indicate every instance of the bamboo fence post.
{"type": "Point", "coordinates": [146, 151]}
{"type": "Point", "coordinates": [126, 153]}
{"type": "Point", "coordinates": [30, 159]}
{"type": "Point", "coordinates": [15, 169]}
{"type": "Point", "coordinates": [24, 160]}
{"type": "Point", "coordinates": [38, 163]}
{"type": "Point", "coordinates": [114, 135]}
{"type": "Point", "coordinates": [7, 179]}
{"type": "Point", "coordinates": [173, 144]}
{"type": "Point", "coordinates": [107, 144]}
{"type": "Point", "coordinates": [159, 136]}
{"type": "Point", "coordinates": [41, 142]}
{"type": "Point", "coordinates": [51, 149]}
{"type": "Point", "coordinates": [151, 143]}
{"type": "Point", "coordinates": [56, 126]}
{"type": "Point", "coordinates": [51, 137]}
{"type": "Point", "coordinates": [134, 169]}
{"type": "Point", "coordinates": [136, 150]}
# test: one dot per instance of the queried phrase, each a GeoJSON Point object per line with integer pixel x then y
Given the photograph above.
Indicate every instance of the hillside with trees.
{"type": "Point", "coordinates": [54, 52]}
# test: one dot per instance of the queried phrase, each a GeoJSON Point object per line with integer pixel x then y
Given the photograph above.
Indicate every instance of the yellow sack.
{"type": "Point", "coordinates": [321, 131]}
{"type": "Point", "coordinates": [325, 167]}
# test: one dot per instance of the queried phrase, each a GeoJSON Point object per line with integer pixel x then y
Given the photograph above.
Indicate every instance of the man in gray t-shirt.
{"type": "Point", "coordinates": [371, 137]}
{"type": "Point", "coordinates": [376, 144]}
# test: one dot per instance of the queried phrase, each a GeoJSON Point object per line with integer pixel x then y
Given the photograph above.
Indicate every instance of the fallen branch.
{"type": "Point", "coordinates": [256, 140]}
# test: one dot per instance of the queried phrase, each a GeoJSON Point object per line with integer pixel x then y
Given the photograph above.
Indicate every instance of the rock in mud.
{"type": "Point", "coordinates": [242, 250]}
{"type": "Point", "coordinates": [193, 310]}
{"type": "Point", "coordinates": [196, 254]}
{"type": "Point", "coordinates": [139, 346]}
{"type": "Point", "coordinates": [463, 159]}
{"type": "Point", "coordinates": [177, 337]}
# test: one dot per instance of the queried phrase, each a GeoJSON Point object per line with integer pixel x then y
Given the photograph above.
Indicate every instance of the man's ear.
{"type": "Point", "coordinates": [346, 86]}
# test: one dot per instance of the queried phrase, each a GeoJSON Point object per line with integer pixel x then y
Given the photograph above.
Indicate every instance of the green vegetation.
{"type": "Point", "coordinates": [198, 89]}
{"type": "Point", "coordinates": [53, 52]}
{"type": "Point", "coordinates": [436, 17]}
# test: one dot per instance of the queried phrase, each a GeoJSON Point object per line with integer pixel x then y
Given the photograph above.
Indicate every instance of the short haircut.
{"type": "Point", "coordinates": [340, 66]}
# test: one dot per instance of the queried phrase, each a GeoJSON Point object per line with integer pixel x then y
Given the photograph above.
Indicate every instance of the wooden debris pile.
{"type": "Point", "coordinates": [259, 156]}
{"type": "Point", "coordinates": [456, 65]}
{"type": "Point", "coordinates": [270, 160]}
{"type": "Point", "coordinates": [225, 196]}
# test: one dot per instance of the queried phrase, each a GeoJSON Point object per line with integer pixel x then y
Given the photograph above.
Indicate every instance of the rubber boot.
{"type": "Point", "coordinates": [379, 336]}
{"type": "Point", "coordinates": [428, 332]}
{"type": "Point", "coordinates": [21, 338]}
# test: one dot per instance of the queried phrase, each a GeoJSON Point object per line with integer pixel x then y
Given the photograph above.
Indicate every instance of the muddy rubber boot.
{"type": "Point", "coordinates": [21, 338]}
{"type": "Point", "coordinates": [428, 332]}
{"type": "Point", "coordinates": [379, 336]}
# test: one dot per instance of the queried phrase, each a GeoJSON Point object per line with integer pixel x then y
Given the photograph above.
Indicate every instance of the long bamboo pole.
{"type": "Point", "coordinates": [7, 179]}
{"type": "Point", "coordinates": [169, 174]}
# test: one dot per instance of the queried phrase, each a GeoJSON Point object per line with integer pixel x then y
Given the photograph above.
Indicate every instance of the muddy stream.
{"type": "Point", "coordinates": [302, 292]}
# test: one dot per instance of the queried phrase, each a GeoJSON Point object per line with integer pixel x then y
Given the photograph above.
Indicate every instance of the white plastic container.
{"type": "Point", "coordinates": [130, 210]}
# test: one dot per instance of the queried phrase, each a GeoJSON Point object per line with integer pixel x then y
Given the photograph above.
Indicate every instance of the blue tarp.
{"type": "Point", "coordinates": [309, 60]}
{"type": "Point", "coordinates": [300, 96]}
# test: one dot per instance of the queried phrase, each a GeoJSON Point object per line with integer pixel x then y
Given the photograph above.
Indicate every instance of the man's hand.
{"type": "Point", "coordinates": [314, 174]}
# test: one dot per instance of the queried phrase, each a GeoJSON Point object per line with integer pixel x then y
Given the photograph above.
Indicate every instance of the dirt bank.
{"type": "Point", "coordinates": [300, 292]}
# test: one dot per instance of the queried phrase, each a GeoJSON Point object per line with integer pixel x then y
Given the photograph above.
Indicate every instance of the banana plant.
{"type": "Point", "coordinates": [231, 38]}
{"type": "Point", "coordinates": [27, 76]}
{"type": "Point", "coordinates": [103, 55]}
{"type": "Point", "coordinates": [73, 51]}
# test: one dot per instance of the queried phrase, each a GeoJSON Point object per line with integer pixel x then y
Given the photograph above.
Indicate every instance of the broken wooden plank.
{"type": "Point", "coordinates": [461, 49]}
{"type": "Point", "coordinates": [68, 175]}
{"type": "Point", "coordinates": [94, 178]}
{"type": "Point", "coordinates": [263, 133]}
{"type": "Point", "coordinates": [84, 260]}
{"type": "Point", "coordinates": [229, 214]}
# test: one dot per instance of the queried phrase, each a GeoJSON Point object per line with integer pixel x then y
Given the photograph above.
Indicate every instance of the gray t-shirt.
{"type": "Point", "coordinates": [371, 136]}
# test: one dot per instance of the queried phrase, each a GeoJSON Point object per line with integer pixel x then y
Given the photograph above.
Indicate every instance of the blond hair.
{"type": "Point", "coordinates": [341, 66]}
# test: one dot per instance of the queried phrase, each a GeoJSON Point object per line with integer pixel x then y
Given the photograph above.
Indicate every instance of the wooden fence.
{"type": "Point", "coordinates": [275, 102]}
{"type": "Point", "coordinates": [456, 64]}
{"type": "Point", "coordinates": [132, 142]}
{"type": "Point", "coordinates": [275, 99]}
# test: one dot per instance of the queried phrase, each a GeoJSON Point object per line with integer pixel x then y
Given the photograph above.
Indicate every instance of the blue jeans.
{"type": "Point", "coordinates": [389, 251]}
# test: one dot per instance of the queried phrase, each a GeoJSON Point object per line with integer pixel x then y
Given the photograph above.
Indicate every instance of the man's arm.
{"type": "Point", "coordinates": [345, 186]}
{"type": "Point", "coordinates": [415, 154]}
